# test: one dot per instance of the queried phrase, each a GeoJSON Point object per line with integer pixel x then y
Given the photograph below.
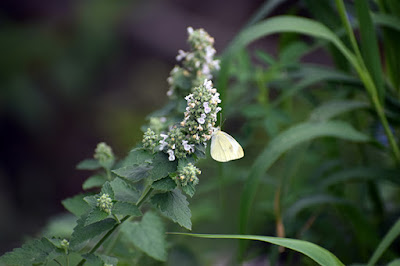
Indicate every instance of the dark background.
{"type": "Point", "coordinates": [74, 73]}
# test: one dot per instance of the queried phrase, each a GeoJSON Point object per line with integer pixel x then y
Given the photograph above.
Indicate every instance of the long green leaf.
{"type": "Point", "coordinates": [289, 24]}
{"type": "Point", "coordinates": [313, 75]}
{"type": "Point", "coordinates": [312, 201]}
{"type": "Point", "coordinates": [369, 46]}
{"type": "Point", "coordinates": [283, 142]}
{"type": "Point", "coordinates": [313, 251]}
{"type": "Point", "coordinates": [387, 21]}
{"type": "Point", "coordinates": [334, 108]}
{"type": "Point", "coordinates": [393, 233]}
{"type": "Point", "coordinates": [360, 174]}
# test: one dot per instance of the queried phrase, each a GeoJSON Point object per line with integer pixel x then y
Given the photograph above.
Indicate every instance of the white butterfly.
{"type": "Point", "coordinates": [225, 148]}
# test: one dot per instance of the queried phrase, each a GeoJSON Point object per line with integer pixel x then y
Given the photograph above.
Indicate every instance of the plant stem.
{"type": "Point", "coordinates": [343, 16]}
{"type": "Point", "coordinates": [368, 82]}
{"type": "Point", "coordinates": [146, 193]}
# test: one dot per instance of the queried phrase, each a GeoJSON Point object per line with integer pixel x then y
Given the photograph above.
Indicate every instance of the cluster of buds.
{"type": "Point", "coordinates": [104, 155]}
{"type": "Point", "coordinates": [198, 124]}
{"type": "Point", "coordinates": [158, 124]}
{"type": "Point", "coordinates": [65, 245]}
{"type": "Point", "coordinates": [150, 140]}
{"type": "Point", "coordinates": [197, 65]}
{"type": "Point", "coordinates": [188, 174]}
{"type": "Point", "coordinates": [104, 202]}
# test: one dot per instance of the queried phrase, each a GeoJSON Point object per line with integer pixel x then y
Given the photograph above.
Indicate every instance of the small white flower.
{"type": "Point", "coordinates": [170, 80]}
{"type": "Point", "coordinates": [215, 98]}
{"type": "Point", "coordinates": [187, 147]}
{"type": "Point", "coordinates": [201, 119]}
{"type": "Point", "coordinates": [171, 155]}
{"type": "Point", "coordinates": [205, 70]}
{"type": "Point", "coordinates": [210, 51]}
{"type": "Point", "coordinates": [190, 30]}
{"type": "Point", "coordinates": [207, 109]}
{"type": "Point", "coordinates": [182, 54]}
{"type": "Point", "coordinates": [163, 142]}
{"type": "Point", "coordinates": [218, 109]}
{"type": "Point", "coordinates": [216, 64]}
{"type": "Point", "coordinates": [208, 84]}
{"type": "Point", "coordinates": [164, 136]}
{"type": "Point", "coordinates": [189, 98]}
{"type": "Point", "coordinates": [170, 92]}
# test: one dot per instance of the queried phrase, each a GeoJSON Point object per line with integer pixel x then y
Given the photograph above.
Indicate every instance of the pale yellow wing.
{"type": "Point", "coordinates": [225, 148]}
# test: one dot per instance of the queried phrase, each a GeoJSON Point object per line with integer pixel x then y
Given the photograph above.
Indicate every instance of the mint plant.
{"type": "Point", "coordinates": [121, 223]}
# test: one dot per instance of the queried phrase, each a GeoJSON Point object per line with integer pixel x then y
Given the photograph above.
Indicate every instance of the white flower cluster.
{"type": "Point", "coordinates": [197, 65]}
{"type": "Point", "coordinates": [198, 124]}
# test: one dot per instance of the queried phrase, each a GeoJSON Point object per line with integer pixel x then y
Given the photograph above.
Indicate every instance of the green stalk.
{"type": "Point", "coordinates": [368, 82]}
{"type": "Point", "coordinates": [145, 195]}
{"type": "Point", "coordinates": [343, 16]}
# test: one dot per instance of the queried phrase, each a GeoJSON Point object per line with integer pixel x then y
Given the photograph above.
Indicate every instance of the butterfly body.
{"type": "Point", "coordinates": [225, 148]}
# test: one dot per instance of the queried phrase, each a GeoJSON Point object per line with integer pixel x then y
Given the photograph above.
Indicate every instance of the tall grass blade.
{"type": "Point", "coordinates": [313, 251]}
{"type": "Point", "coordinates": [393, 233]}
{"type": "Point", "coordinates": [369, 46]}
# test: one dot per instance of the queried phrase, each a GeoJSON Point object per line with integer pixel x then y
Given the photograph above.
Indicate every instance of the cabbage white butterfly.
{"type": "Point", "coordinates": [225, 148]}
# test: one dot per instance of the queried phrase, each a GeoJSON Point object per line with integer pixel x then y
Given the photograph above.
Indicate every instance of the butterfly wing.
{"type": "Point", "coordinates": [225, 148]}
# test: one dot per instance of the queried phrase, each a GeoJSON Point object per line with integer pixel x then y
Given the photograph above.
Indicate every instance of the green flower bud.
{"type": "Point", "coordinates": [150, 140]}
{"type": "Point", "coordinates": [188, 174]}
{"type": "Point", "coordinates": [65, 245]}
{"type": "Point", "coordinates": [104, 155]}
{"type": "Point", "coordinates": [104, 202]}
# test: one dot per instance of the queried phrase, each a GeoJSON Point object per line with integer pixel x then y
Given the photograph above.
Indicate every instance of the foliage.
{"type": "Point", "coordinates": [322, 159]}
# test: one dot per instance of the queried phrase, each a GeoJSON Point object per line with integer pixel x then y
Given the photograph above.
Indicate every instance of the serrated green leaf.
{"type": "Point", "coordinates": [165, 184]}
{"type": "Point", "coordinates": [134, 173]}
{"type": "Point", "coordinates": [126, 208]}
{"type": "Point", "coordinates": [91, 200]}
{"type": "Point", "coordinates": [333, 108]}
{"type": "Point", "coordinates": [200, 151]}
{"type": "Point", "coordinates": [173, 205]}
{"type": "Point", "coordinates": [95, 215]}
{"type": "Point", "coordinates": [148, 235]}
{"type": "Point", "coordinates": [107, 189]}
{"type": "Point", "coordinates": [83, 233]}
{"type": "Point", "coordinates": [313, 251]}
{"type": "Point", "coordinates": [138, 156]}
{"type": "Point", "coordinates": [88, 164]}
{"type": "Point", "coordinates": [124, 191]}
{"type": "Point", "coordinates": [99, 260]}
{"type": "Point", "coordinates": [94, 181]}
{"type": "Point", "coordinates": [162, 166]}
{"type": "Point", "coordinates": [37, 251]}
{"type": "Point", "coordinates": [189, 189]}
{"type": "Point", "coordinates": [76, 205]}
